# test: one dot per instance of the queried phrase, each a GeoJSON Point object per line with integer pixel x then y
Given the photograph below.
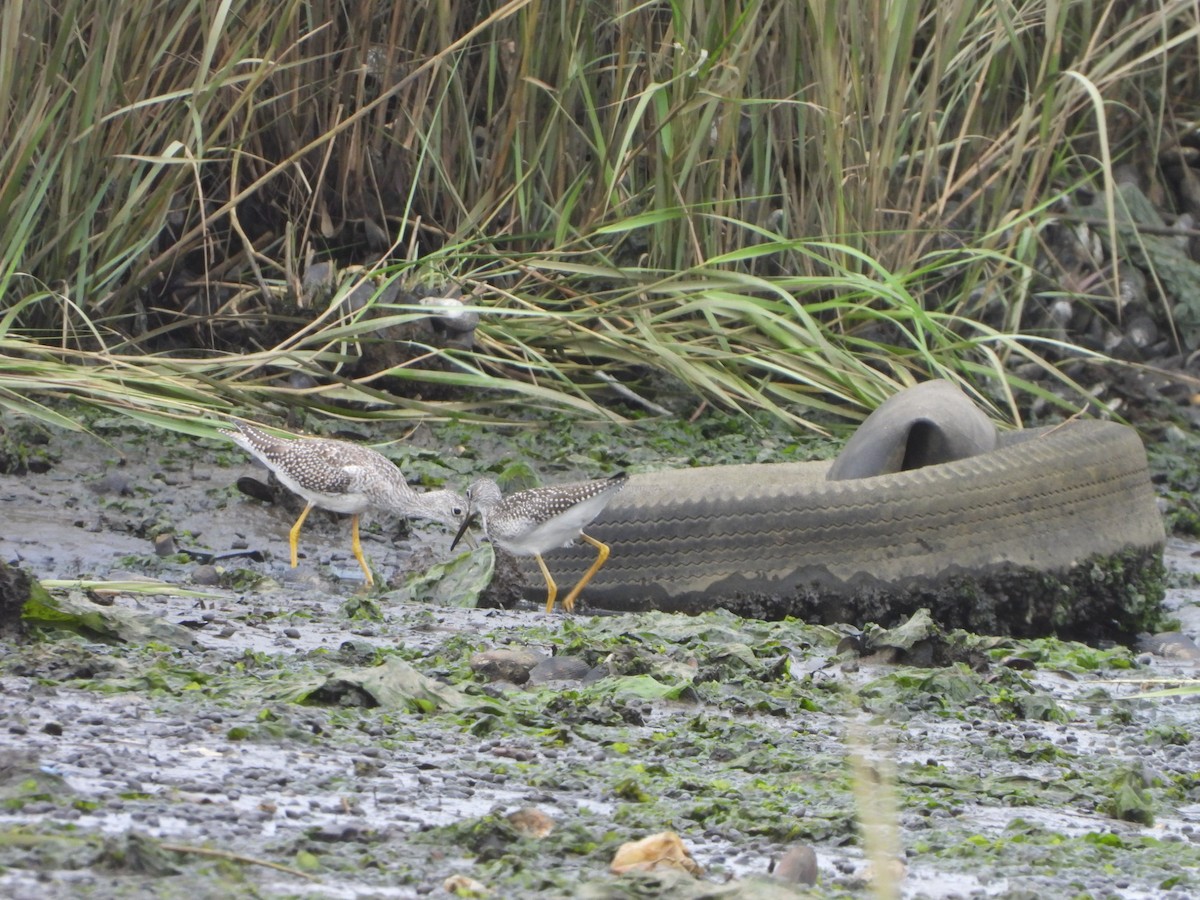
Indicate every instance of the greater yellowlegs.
{"type": "Point", "coordinates": [528, 523]}
{"type": "Point", "coordinates": [345, 478]}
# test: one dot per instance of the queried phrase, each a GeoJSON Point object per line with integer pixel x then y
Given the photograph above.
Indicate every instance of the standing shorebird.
{"type": "Point", "coordinates": [345, 478]}
{"type": "Point", "coordinates": [528, 523]}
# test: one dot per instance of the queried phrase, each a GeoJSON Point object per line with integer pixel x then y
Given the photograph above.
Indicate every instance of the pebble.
{"type": "Point", "coordinates": [206, 575]}
{"type": "Point", "coordinates": [332, 834]}
{"type": "Point", "coordinates": [464, 886]}
{"type": "Point", "coordinates": [1171, 645]}
{"type": "Point", "coordinates": [531, 822]}
{"type": "Point", "coordinates": [511, 665]}
{"type": "Point", "coordinates": [112, 483]}
{"type": "Point", "coordinates": [559, 668]}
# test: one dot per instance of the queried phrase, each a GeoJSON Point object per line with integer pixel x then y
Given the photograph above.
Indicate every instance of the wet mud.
{"type": "Point", "coordinates": [292, 736]}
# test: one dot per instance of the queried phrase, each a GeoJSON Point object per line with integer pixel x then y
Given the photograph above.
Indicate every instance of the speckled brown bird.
{"type": "Point", "coordinates": [529, 523]}
{"type": "Point", "coordinates": [346, 478]}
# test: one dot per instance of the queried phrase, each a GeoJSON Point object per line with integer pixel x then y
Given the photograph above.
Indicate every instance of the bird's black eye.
{"type": "Point", "coordinates": [458, 511]}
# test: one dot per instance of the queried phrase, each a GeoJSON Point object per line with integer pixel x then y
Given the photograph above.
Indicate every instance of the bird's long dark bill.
{"type": "Point", "coordinates": [462, 529]}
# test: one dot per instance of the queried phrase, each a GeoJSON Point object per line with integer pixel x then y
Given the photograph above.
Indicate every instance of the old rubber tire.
{"type": "Point", "coordinates": [1055, 531]}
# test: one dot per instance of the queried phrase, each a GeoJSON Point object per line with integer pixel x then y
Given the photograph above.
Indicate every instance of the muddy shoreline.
{"type": "Point", "coordinates": [240, 766]}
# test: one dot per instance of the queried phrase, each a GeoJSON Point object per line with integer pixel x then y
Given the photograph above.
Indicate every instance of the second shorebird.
{"type": "Point", "coordinates": [529, 523]}
{"type": "Point", "coordinates": [346, 478]}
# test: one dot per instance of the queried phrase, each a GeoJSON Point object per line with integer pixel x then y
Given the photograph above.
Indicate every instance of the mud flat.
{"type": "Point", "coordinates": [276, 733]}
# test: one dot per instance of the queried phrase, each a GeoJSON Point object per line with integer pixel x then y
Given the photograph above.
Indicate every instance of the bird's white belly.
{"type": "Point", "coordinates": [545, 537]}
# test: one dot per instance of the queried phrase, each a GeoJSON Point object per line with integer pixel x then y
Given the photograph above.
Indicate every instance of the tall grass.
{"type": "Point", "coordinates": [786, 205]}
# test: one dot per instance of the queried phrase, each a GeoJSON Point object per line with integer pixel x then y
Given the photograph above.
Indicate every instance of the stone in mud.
{"type": "Point", "coordinates": [464, 886]}
{"type": "Point", "coordinates": [798, 865]}
{"type": "Point", "coordinates": [15, 588]}
{"type": "Point", "coordinates": [206, 575]}
{"type": "Point", "coordinates": [531, 822]}
{"type": "Point", "coordinates": [664, 850]}
{"type": "Point", "coordinates": [1171, 645]}
{"type": "Point", "coordinates": [559, 668]}
{"type": "Point", "coordinates": [503, 664]}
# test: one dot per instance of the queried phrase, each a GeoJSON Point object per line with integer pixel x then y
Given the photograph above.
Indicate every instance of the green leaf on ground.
{"type": "Point", "coordinates": [457, 582]}
{"type": "Point", "coordinates": [76, 612]}
{"type": "Point", "coordinates": [392, 685]}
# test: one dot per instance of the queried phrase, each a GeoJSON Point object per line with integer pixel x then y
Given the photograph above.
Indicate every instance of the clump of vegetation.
{"type": "Point", "coordinates": [795, 209]}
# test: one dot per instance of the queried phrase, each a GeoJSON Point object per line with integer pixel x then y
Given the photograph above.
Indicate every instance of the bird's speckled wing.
{"type": "Point", "coordinates": [539, 519]}
{"type": "Point", "coordinates": [316, 465]}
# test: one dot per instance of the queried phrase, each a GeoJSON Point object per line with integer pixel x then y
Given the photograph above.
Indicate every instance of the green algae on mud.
{"type": "Point", "coordinates": [729, 731]}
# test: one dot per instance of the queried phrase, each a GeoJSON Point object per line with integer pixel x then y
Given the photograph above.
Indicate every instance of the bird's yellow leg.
{"type": "Point", "coordinates": [551, 587]}
{"type": "Point", "coordinates": [601, 556]}
{"type": "Point", "coordinates": [294, 534]}
{"type": "Point", "coordinates": [357, 545]}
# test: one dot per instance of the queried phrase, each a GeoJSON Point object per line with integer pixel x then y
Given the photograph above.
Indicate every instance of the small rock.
{"type": "Point", "coordinates": [301, 381]}
{"type": "Point", "coordinates": [206, 575]}
{"type": "Point", "coordinates": [798, 865]}
{"type": "Point", "coordinates": [1171, 645]}
{"type": "Point", "coordinates": [520, 754]}
{"type": "Point", "coordinates": [317, 283]}
{"type": "Point", "coordinates": [452, 313]}
{"type": "Point", "coordinates": [112, 483]}
{"type": "Point", "coordinates": [559, 668]}
{"type": "Point", "coordinates": [16, 585]}
{"type": "Point", "coordinates": [464, 886]}
{"type": "Point", "coordinates": [531, 822]}
{"type": "Point", "coordinates": [505, 664]}
{"type": "Point", "coordinates": [1019, 663]}
{"type": "Point", "coordinates": [336, 834]}
{"type": "Point", "coordinates": [664, 850]}
{"type": "Point", "coordinates": [164, 545]}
